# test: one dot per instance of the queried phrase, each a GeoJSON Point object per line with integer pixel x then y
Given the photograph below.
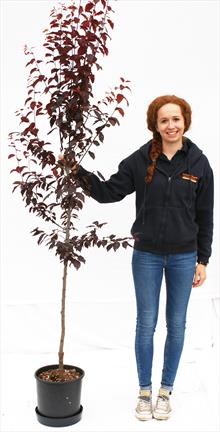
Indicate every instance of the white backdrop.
{"type": "Point", "coordinates": [163, 47]}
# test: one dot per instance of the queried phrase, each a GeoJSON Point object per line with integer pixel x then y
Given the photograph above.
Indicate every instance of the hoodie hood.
{"type": "Point", "coordinates": [193, 153]}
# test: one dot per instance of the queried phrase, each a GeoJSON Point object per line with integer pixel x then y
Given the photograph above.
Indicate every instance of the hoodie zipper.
{"type": "Point", "coordinates": [164, 217]}
{"type": "Point", "coordinates": [145, 192]}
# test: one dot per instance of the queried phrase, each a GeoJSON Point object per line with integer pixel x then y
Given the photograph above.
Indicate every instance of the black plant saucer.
{"type": "Point", "coordinates": [59, 421]}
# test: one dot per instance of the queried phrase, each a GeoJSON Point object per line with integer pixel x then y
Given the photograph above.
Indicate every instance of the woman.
{"type": "Point", "coordinates": [173, 231]}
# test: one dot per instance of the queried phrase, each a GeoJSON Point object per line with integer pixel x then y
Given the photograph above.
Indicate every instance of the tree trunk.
{"type": "Point", "coordinates": [63, 299]}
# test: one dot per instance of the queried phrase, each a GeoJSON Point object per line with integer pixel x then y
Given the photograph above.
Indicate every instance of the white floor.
{"type": "Point", "coordinates": [106, 354]}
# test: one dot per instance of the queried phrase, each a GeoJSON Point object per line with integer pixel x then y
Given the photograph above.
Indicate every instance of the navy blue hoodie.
{"type": "Point", "coordinates": [174, 213]}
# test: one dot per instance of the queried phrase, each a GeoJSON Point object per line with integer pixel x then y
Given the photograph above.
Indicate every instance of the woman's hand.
{"type": "Point", "coordinates": [68, 163]}
{"type": "Point", "coordinates": [200, 275]}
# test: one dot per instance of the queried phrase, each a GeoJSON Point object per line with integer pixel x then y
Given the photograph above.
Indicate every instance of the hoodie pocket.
{"type": "Point", "coordinates": [147, 227]}
{"type": "Point", "coordinates": [180, 228]}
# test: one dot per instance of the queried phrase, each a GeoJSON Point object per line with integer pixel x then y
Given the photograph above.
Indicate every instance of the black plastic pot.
{"type": "Point", "coordinates": [59, 402]}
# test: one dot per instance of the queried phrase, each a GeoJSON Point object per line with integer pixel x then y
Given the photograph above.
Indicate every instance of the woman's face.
{"type": "Point", "coordinates": [170, 123]}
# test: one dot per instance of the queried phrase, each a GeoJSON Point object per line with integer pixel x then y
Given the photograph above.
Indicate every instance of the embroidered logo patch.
{"type": "Point", "coordinates": [190, 177]}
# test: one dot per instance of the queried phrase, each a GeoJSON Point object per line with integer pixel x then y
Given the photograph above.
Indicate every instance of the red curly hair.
{"type": "Point", "coordinates": [156, 148]}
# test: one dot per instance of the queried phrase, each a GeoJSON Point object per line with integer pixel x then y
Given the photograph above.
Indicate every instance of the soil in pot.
{"type": "Point", "coordinates": [59, 375]}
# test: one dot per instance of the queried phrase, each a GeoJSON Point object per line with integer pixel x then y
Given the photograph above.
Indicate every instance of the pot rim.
{"type": "Point", "coordinates": [55, 366]}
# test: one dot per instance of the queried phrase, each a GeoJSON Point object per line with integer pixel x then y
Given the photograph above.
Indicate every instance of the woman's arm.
{"type": "Point", "coordinates": [115, 189]}
{"type": "Point", "coordinates": [204, 215]}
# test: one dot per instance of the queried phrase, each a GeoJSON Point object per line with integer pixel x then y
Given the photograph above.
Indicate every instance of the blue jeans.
{"type": "Point", "coordinates": [147, 270]}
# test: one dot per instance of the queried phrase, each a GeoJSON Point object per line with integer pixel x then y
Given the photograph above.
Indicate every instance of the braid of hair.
{"type": "Point", "coordinates": [156, 150]}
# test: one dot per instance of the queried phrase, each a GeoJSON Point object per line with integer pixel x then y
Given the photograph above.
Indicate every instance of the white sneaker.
{"type": "Point", "coordinates": [162, 410]}
{"type": "Point", "coordinates": [144, 405]}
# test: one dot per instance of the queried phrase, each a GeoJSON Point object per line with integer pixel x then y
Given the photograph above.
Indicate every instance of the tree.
{"type": "Point", "coordinates": [60, 114]}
